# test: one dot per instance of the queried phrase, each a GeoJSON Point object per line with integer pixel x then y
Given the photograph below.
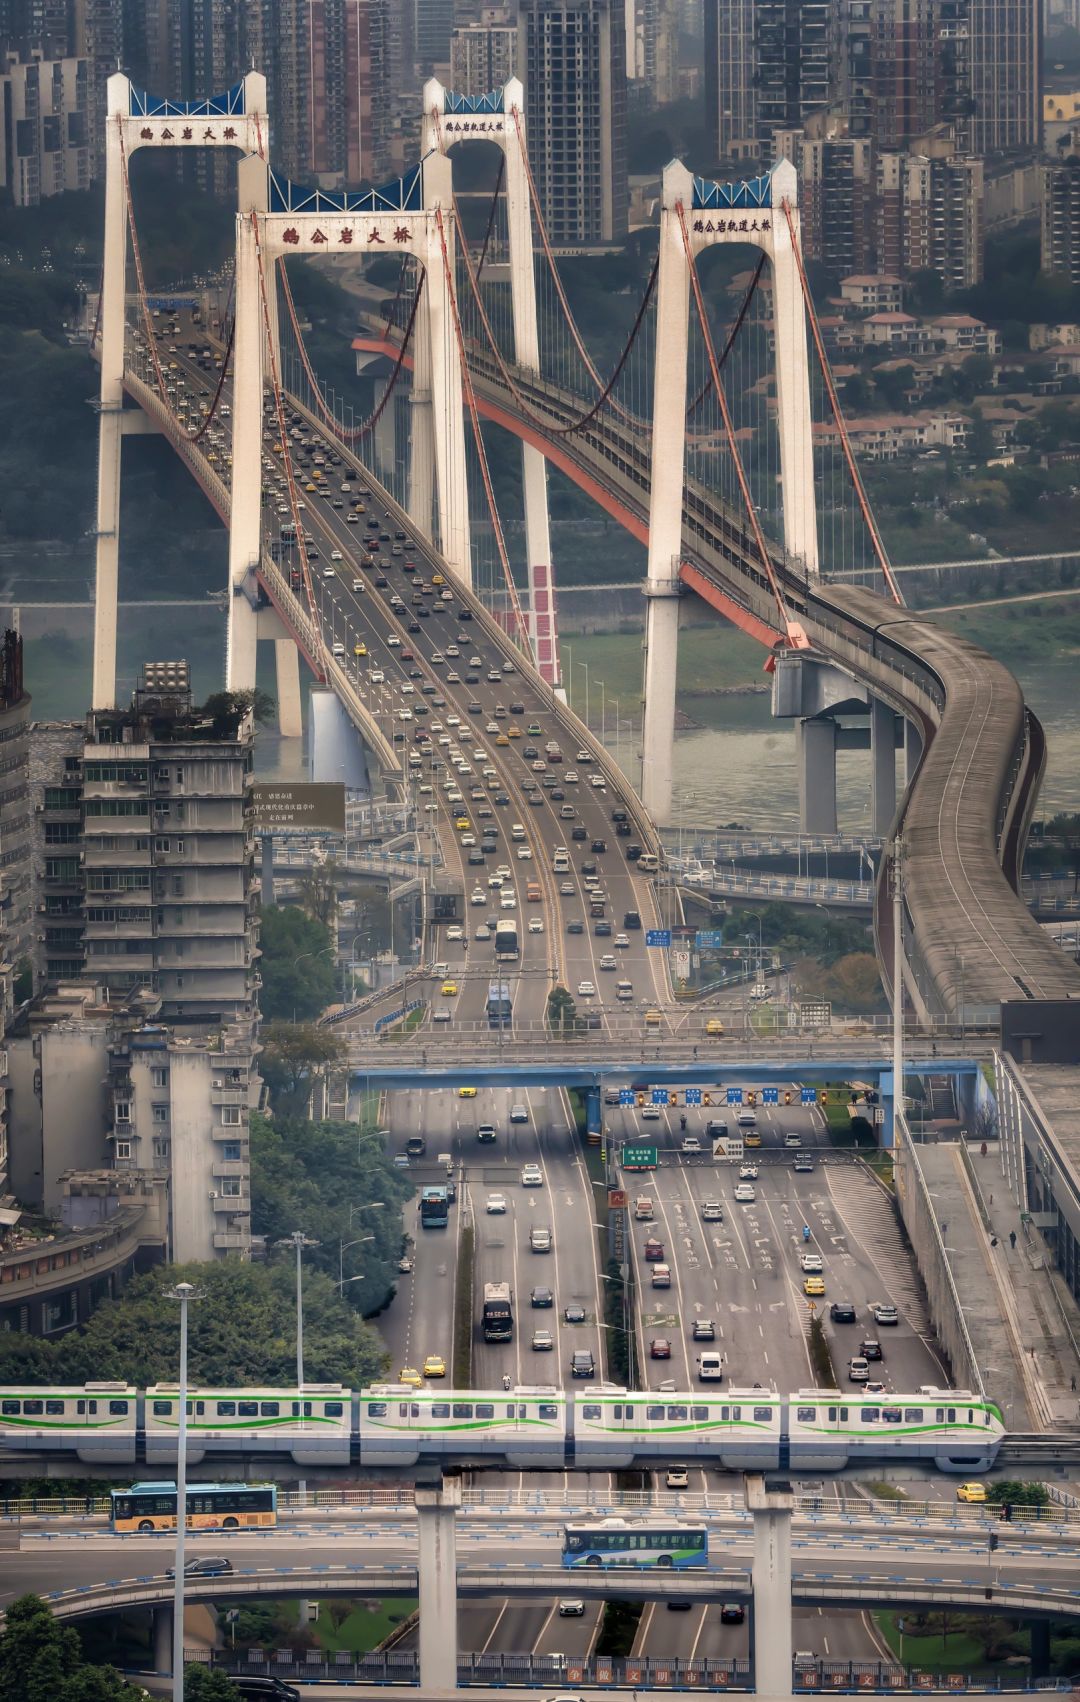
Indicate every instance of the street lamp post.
{"type": "Point", "coordinates": [183, 1292]}
{"type": "Point", "coordinates": [299, 1241]}
{"type": "Point", "coordinates": [343, 1248]}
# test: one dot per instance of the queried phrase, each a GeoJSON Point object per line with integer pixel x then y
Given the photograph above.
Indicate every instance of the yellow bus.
{"type": "Point", "coordinates": [210, 1507]}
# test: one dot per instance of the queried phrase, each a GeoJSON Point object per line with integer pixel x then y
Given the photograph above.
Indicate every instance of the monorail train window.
{"type": "Point", "coordinates": [806, 1415]}
{"type": "Point", "coordinates": [763, 1415]}
{"type": "Point", "coordinates": [843, 1412]}
{"type": "Point", "coordinates": [247, 1409]}
{"type": "Point", "coordinates": [54, 1408]}
{"type": "Point", "coordinates": [225, 1409]}
{"type": "Point", "coordinates": [700, 1414]}
{"type": "Point", "coordinates": [485, 1409]}
{"type": "Point", "coordinates": [591, 1410]}
{"type": "Point", "coordinates": [162, 1409]}
{"type": "Point", "coordinates": [270, 1409]}
{"type": "Point", "coordinates": [892, 1415]}
{"type": "Point", "coordinates": [871, 1415]}
{"type": "Point", "coordinates": [85, 1406]}
{"type": "Point", "coordinates": [10, 1409]}
{"type": "Point", "coordinates": [678, 1413]}
{"type": "Point", "coordinates": [403, 1409]}
{"type": "Point", "coordinates": [654, 1414]}
{"type": "Point", "coordinates": [986, 1418]}
{"type": "Point", "coordinates": [736, 1413]}
{"type": "Point", "coordinates": [200, 1407]}
{"type": "Point", "coordinates": [332, 1409]}
{"type": "Point", "coordinates": [548, 1409]}
{"type": "Point", "coordinates": [376, 1409]}
{"type": "Point", "coordinates": [33, 1408]}
{"type": "Point", "coordinates": [939, 1415]}
{"type": "Point", "coordinates": [462, 1409]}
{"type": "Point", "coordinates": [913, 1415]}
{"type": "Point", "coordinates": [440, 1409]}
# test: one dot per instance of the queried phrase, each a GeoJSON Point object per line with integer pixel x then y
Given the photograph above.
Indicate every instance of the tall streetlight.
{"type": "Point", "coordinates": [343, 1248]}
{"type": "Point", "coordinates": [183, 1292]}
{"type": "Point", "coordinates": [299, 1240]}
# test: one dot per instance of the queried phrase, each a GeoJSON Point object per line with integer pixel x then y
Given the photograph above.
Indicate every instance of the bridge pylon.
{"type": "Point", "coordinates": [499, 117]}
{"type": "Point", "coordinates": [235, 119]}
{"type": "Point", "coordinates": [699, 213]}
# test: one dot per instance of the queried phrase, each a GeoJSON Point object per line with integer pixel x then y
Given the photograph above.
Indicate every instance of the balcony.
{"type": "Point", "coordinates": [237, 1205]}
{"type": "Point", "coordinates": [236, 1167]}
{"type": "Point", "coordinates": [231, 1240]}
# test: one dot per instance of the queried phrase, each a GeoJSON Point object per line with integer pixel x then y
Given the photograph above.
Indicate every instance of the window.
{"type": "Point", "coordinates": [159, 1076]}
{"type": "Point", "coordinates": [62, 797]}
{"type": "Point", "coordinates": [269, 1409]}
{"type": "Point", "coordinates": [162, 845]}
{"type": "Point", "coordinates": [376, 1409]}
{"type": "Point", "coordinates": [334, 1409]}
{"type": "Point", "coordinates": [117, 807]}
{"type": "Point", "coordinates": [160, 1113]}
{"type": "Point", "coordinates": [485, 1409]}
{"type": "Point", "coordinates": [161, 1147]}
{"type": "Point", "coordinates": [247, 1409]}
{"type": "Point", "coordinates": [230, 1187]}
{"type": "Point", "coordinates": [118, 1409]}
{"type": "Point", "coordinates": [230, 1114]}
{"type": "Point", "coordinates": [463, 1409]}
{"type": "Point", "coordinates": [122, 1111]}
{"type": "Point", "coordinates": [123, 1149]}
{"type": "Point", "coordinates": [178, 886]}
{"type": "Point", "coordinates": [226, 1409]}
{"type": "Point", "coordinates": [913, 1415]}
{"type": "Point", "coordinates": [179, 847]}
{"type": "Point", "coordinates": [61, 868]}
{"type": "Point", "coordinates": [806, 1415]}
{"type": "Point", "coordinates": [590, 1410]}
{"type": "Point", "coordinates": [700, 1414]}
{"type": "Point", "coordinates": [63, 832]}
{"type": "Point", "coordinates": [230, 1152]}
{"type": "Point", "coordinates": [763, 1415]}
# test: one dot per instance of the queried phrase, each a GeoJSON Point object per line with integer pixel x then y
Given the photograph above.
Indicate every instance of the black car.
{"type": "Point", "coordinates": [416, 673]}
{"type": "Point", "coordinates": [464, 615]}
{"type": "Point", "coordinates": [633, 852]}
{"type": "Point", "coordinates": [870, 1349]}
{"type": "Point", "coordinates": [583, 1364]}
{"type": "Point", "coordinates": [598, 845]}
{"type": "Point", "coordinates": [593, 1019]}
{"type": "Point", "coordinates": [476, 857]}
{"type": "Point", "coordinates": [574, 1314]}
{"type": "Point", "coordinates": [500, 798]}
{"type": "Point", "coordinates": [203, 1566]}
{"type": "Point", "coordinates": [257, 1689]}
{"type": "Point", "coordinates": [472, 680]}
{"type": "Point", "coordinates": [558, 796]}
{"type": "Point", "coordinates": [842, 1312]}
{"type": "Point", "coordinates": [542, 1297]}
{"type": "Point", "coordinates": [414, 626]}
{"type": "Point", "coordinates": [575, 927]}
{"type": "Point", "coordinates": [631, 919]}
{"type": "Point", "coordinates": [623, 829]}
{"type": "Point", "coordinates": [602, 930]}
{"type": "Point", "coordinates": [530, 753]}
{"type": "Point", "coordinates": [588, 867]}
{"type": "Point", "coordinates": [732, 1613]}
{"type": "Point", "coordinates": [579, 832]}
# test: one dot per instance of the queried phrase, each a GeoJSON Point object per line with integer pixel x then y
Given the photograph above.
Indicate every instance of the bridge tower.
{"type": "Point", "coordinates": [499, 117]}
{"type": "Point", "coordinates": [236, 119]}
{"type": "Point", "coordinates": [754, 212]}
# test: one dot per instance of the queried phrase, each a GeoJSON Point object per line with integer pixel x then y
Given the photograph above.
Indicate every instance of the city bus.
{"type": "Point", "coordinates": [434, 1208]}
{"type": "Point", "coordinates": [500, 1008]}
{"type": "Point", "coordinates": [506, 939]}
{"type": "Point", "coordinates": [615, 1543]}
{"type": "Point", "coordinates": [210, 1507]}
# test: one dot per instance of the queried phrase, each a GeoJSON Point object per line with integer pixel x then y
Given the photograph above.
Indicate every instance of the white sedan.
{"type": "Point", "coordinates": [479, 897]}
{"type": "Point", "coordinates": [748, 1173]}
{"type": "Point", "coordinates": [455, 932]}
{"type": "Point", "coordinates": [524, 854]}
{"type": "Point", "coordinates": [496, 1203]}
{"type": "Point", "coordinates": [586, 990]}
{"type": "Point", "coordinates": [536, 924]}
{"type": "Point", "coordinates": [744, 1193]}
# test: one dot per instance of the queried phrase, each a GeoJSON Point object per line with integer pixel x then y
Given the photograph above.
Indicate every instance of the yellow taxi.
{"type": "Point", "coordinates": [359, 508]}
{"type": "Point", "coordinates": [437, 579]}
{"type": "Point", "coordinates": [359, 650]}
{"type": "Point", "coordinates": [971, 1492]}
{"type": "Point", "coordinates": [462, 823]}
{"type": "Point", "coordinates": [503, 739]}
{"type": "Point", "coordinates": [653, 1019]}
{"type": "Point", "coordinates": [410, 1377]}
{"type": "Point", "coordinates": [434, 1365]}
{"type": "Point", "coordinates": [309, 487]}
{"type": "Point", "coordinates": [814, 1286]}
{"type": "Point", "coordinates": [714, 1026]}
{"type": "Point", "coordinates": [513, 732]}
{"type": "Point", "coordinates": [466, 1093]}
{"type": "Point", "coordinates": [449, 988]}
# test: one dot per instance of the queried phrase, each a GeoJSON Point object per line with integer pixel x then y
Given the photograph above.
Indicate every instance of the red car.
{"type": "Point", "coordinates": [659, 1348]}
{"type": "Point", "coordinates": [654, 1250]}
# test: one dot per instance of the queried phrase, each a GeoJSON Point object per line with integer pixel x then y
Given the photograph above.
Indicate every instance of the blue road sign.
{"type": "Point", "coordinates": [626, 1096]}
{"type": "Point", "coordinates": [658, 936]}
{"type": "Point", "coordinates": [769, 1096]}
{"type": "Point", "coordinates": [659, 1095]}
{"type": "Point", "coordinates": [807, 1096]}
{"type": "Point", "coordinates": [693, 1096]}
{"type": "Point", "coordinates": [707, 939]}
{"type": "Point", "coordinates": [734, 1095]}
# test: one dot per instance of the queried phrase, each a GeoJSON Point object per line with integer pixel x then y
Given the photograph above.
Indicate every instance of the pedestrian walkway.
{"type": "Point", "coordinates": [1023, 1324]}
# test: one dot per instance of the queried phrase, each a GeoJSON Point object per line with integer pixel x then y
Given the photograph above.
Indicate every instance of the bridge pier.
{"type": "Point", "coordinates": [436, 1535]}
{"type": "Point", "coordinates": [882, 767]}
{"type": "Point", "coordinates": [771, 1612]}
{"type": "Point", "coordinates": [290, 716]}
{"type": "Point", "coordinates": [816, 745]}
{"type": "Point", "coordinates": [249, 340]}
{"type": "Point", "coordinates": [163, 1638]}
{"type": "Point", "coordinates": [421, 425]}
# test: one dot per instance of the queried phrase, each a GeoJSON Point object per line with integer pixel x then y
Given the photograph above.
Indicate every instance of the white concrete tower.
{"type": "Point", "coordinates": [236, 119]}
{"type": "Point", "coordinates": [794, 419]}
{"type": "Point", "coordinates": [249, 346]}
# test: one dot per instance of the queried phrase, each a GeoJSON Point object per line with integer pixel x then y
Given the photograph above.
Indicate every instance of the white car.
{"type": "Point", "coordinates": [495, 882]}
{"type": "Point", "coordinates": [597, 781]}
{"type": "Point", "coordinates": [586, 990]}
{"type": "Point", "coordinates": [507, 901]}
{"type": "Point", "coordinates": [496, 1204]}
{"type": "Point", "coordinates": [479, 897]}
{"type": "Point", "coordinates": [607, 961]}
{"type": "Point", "coordinates": [570, 778]}
{"type": "Point", "coordinates": [748, 1173]}
{"type": "Point", "coordinates": [336, 555]}
{"type": "Point", "coordinates": [712, 1211]}
{"type": "Point", "coordinates": [394, 641]}
{"type": "Point", "coordinates": [811, 1264]}
{"type": "Point", "coordinates": [532, 1176]}
{"type": "Point", "coordinates": [455, 932]}
{"type": "Point", "coordinates": [536, 924]}
{"type": "Point", "coordinates": [622, 941]}
{"type": "Point", "coordinates": [524, 854]}
{"type": "Point", "coordinates": [377, 677]}
{"type": "Point", "coordinates": [744, 1194]}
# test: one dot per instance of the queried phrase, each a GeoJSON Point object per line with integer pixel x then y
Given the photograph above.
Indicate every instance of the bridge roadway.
{"type": "Point", "coordinates": [896, 1561]}
{"type": "Point", "coordinates": [965, 817]}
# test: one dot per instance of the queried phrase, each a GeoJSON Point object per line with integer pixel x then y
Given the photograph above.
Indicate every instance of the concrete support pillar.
{"type": "Point", "coordinates": [792, 369]}
{"type": "Point", "coordinates": [666, 498]}
{"type": "Point", "coordinates": [816, 741]}
{"type": "Point", "coordinates": [1040, 1647]}
{"type": "Point", "coordinates": [436, 1530]}
{"type": "Point", "coordinates": [290, 716]}
{"type": "Point", "coordinates": [593, 1113]}
{"type": "Point", "coordinates": [163, 1630]}
{"type": "Point", "coordinates": [882, 767]}
{"type": "Point", "coordinates": [421, 424]}
{"type": "Point", "coordinates": [913, 749]}
{"type": "Point", "coordinates": [112, 400]}
{"type": "Point", "coordinates": [266, 874]}
{"type": "Point", "coordinates": [447, 395]}
{"type": "Point", "coordinates": [772, 1648]}
{"type": "Point", "coordinates": [249, 342]}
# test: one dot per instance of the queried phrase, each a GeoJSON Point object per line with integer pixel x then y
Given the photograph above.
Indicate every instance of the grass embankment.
{"type": "Point", "coordinates": [355, 1627]}
{"type": "Point", "coordinates": [619, 1299]}
{"type": "Point", "coordinates": [408, 1024]}
{"type": "Point", "coordinates": [821, 1356]}
{"type": "Point", "coordinates": [463, 1310]}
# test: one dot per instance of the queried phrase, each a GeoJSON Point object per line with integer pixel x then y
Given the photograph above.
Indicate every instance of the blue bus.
{"type": "Point", "coordinates": [434, 1208]}
{"type": "Point", "coordinates": [616, 1543]}
{"type": "Point", "coordinates": [500, 1008]}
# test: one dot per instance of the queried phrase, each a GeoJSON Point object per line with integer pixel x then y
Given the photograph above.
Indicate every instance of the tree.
{"type": "Point", "coordinates": [227, 709]}
{"type": "Point", "coordinates": [561, 1011]}
{"type": "Point", "coordinates": [207, 1684]}
{"type": "Point", "coordinates": [297, 965]}
{"type": "Point", "coordinates": [41, 1661]}
{"type": "Point", "coordinates": [294, 1056]}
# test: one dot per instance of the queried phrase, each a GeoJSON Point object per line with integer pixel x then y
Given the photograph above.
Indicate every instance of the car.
{"type": "Point", "coordinates": [434, 1365]}
{"type": "Point", "coordinates": [519, 1113]}
{"type": "Point", "coordinates": [744, 1194]}
{"type": "Point", "coordinates": [873, 1388]}
{"type": "Point", "coordinates": [466, 1093]}
{"type": "Point", "coordinates": [607, 962]}
{"type": "Point", "coordinates": [268, 1689]}
{"type": "Point", "coordinates": [575, 1313]}
{"type": "Point", "coordinates": [703, 1330]}
{"type": "Point", "coordinates": [691, 1146]}
{"type": "Point", "coordinates": [814, 1286]}
{"type": "Point", "coordinates": [448, 989]}
{"type": "Point", "coordinates": [622, 941]}
{"type": "Point", "coordinates": [532, 1176]}
{"type": "Point", "coordinates": [971, 1492]}
{"type": "Point", "coordinates": [676, 1477]}
{"type": "Point", "coordinates": [524, 854]}
{"type": "Point", "coordinates": [803, 1165]}
{"type": "Point", "coordinates": [543, 1341]}
{"type": "Point", "coordinates": [857, 1369]}
{"type": "Point", "coordinates": [842, 1312]}
{"type": "Point", "coordinates": [575, 927]}
{"type": "Point", "coordinates": [479, 897]}
{"type": "Point", "coordinates": [541, 1297]}
{"type": "Point", "coordinates": [410, 1377]}
{"type": "Point", "coordinates": [536, 924]}
{"type": "Point", "coordinates": [732, 1613]}
{"type": "Point", "coordinates": [483, 932]}
{"type": "Point", "coordinates": [712, 1211]}
{"type": "Point", "coordinates": [748, 1173]}
{"type": "Point", "coordinates": [586, 990]}
{"type": "Point", "coordinates": [571, 1607]}
{"type": "Point", "coordinates": [884, 1312]}
{"type": "Point", "coordinates": [496, 1204]}
{"type": "Point", "coordinates": [714, 1026]}
{"type": "Point", "coordinates": [455, 932]}
{"type": "Point", "coordinates": [792, 1140]}
{"type": "Point", "coordinates": [870, 1348]}
{"type": "Point", "coordinates": [582, 1363]}
{"type": "Point", "coordinates": [203, 1566]}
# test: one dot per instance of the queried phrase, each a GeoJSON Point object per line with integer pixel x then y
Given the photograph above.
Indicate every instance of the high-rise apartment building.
{"type": "Point", "coordinates": [483, 55]}
{"type": "Point", "coordinates": [769, 64]}
{"type": "Point", "coordinates": [929, 216]}
{"type": "Point", "coordinates": [1004, 46]}
{"type": "Point", "coordinates": [730, 107]}
{"type": "Point", "coordinates": [1060, 219]}
{"type": "Point", "coordinates": [904, 55]}
{"type": "Point", "coordinates": [44, 142]}
{"type": "Point", "coordinates": [329, 89]}
{"type": "Point", "coordinates": [572, 60]}
{"type": "Point", "coordinates": [836, 188]}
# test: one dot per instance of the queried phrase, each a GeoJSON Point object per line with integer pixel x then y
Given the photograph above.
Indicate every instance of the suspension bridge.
{"type": "Point", "coordinates": [710, 431]}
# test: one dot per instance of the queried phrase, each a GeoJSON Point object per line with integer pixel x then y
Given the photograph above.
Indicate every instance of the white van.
{"type": "Point", "coordinates": [517, 831]}
{"type": "Point", "coordinates": [710, 1367]}
{"type": "Point", "coordinates": [560, 862]}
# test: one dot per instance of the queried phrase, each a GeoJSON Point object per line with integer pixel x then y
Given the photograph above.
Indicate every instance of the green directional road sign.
{"type": "Point", "coordinates": [638, 1158]}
